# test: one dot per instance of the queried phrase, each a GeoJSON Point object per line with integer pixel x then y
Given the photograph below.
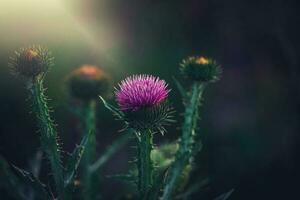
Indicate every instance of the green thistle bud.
{"type": "Point", "coordinates": [31, 62]}
{"type": "Point", "coordinates": [201, 69]}
{"type": "Point", "coordinates": [88, 82]}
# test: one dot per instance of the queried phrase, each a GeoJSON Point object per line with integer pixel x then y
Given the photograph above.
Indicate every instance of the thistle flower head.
{"type": "Point", "coordinates": [141, 91]}
{"type": "Point", "coordinates": [88, 82]}
{"type": "Point", "coordinates": [201, 69]}
{"type": "Point", "coordinates": [143, 101]}
{"type": "Point", "coordinates": [31, 62]}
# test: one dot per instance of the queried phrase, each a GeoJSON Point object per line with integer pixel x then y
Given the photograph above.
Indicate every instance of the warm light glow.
{"type": "Point", "coordinates": [202, 61]}
{"type": "Point", "coordinates": [44, 21]}
{"type": "Point", "coordinates": [30, 54]}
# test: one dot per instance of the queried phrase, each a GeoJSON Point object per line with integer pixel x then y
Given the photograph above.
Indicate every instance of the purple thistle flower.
{"type": "Point", "coordinates": [141, 91]}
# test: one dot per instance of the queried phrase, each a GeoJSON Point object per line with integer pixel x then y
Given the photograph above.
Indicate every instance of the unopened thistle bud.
{"type": "Point", "coordinates": [88, 82]}
{"type": "Point", "coordinates": [201, 69]}
{"type": "Point", "coordinates": [31, 62]}
{"type": "Point", "coordinates": [143, 100]}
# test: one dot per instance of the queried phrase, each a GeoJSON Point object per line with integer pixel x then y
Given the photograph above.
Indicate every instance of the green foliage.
{"type": "Point", "coordinates": [160, 172]}
{"type": "Point", "coordinates": [130, 177]}
{"type": "Point", "coordinates": [90, 169]}
{"type": "Point", "coordinates": [115, 111]}
{"type": "Point", "coordinates": [144, 163]}
{"type": "Point", "coordinates": [63, 178]}
{"type": "Point", "coordinates": [186, 142]}
{"type": "Point", "coordinates": [180, 88]}
{"type": "Point", "coordinates": [28, 178]}
{"type": "Point", "coordinates": [90, 181]}
{"type": "Point", "coordinates": [164, 155]}
{"type": "Point", "coordinates": [200, 70]}
{"type": "Point", "coordinates": [48, 134]}
{"type": "Point", "coordinates": [10, 181]}
{"type": "Point", "coordinates": [73, 162]}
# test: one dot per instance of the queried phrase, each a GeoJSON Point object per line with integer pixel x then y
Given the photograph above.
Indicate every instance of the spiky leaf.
{"type": "Point", "coordinates": [180, 88]}
{"type": "Point", "coordinates": [10, 182]}
{"type": "Point", "coordinates": [225, 196]}
{"type": "Point", "coordinates": [74, 160]}
{"type": "Point", "coordinates": [29, 179]}
{"type": "Point", "coordinates": [129, 178]}
{"type": "Point", "coordinates": [113, 109]}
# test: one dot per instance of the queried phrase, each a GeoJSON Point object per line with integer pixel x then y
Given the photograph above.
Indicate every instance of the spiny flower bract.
{"type": "Point", "coordinates": [201, 69]}
{"type": "Point", "coordinates": [87, 82]}
{"type": "Point", "coordinates": [31, 62]}
{"type": "Point", "coordinates": [150, 118]}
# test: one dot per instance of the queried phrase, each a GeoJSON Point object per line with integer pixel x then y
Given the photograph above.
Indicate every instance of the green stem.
{"type": "Point", "coordinates": [145, 165]}
{"type": "Point", "coordinates": [89, 155]}
{"type": "Point", "coordinates": [48, 134]}
{"type": "Point", "coordinates": [187, 141]}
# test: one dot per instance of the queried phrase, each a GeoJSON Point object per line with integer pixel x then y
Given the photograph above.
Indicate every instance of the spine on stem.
{"type": "Point", "coordinates": [48, 135]}
{"type": "Point", "coordinates": [200, 71]}
{"type": "Point", "coordinates": [32, 63]}
{"type": "Point", "coordinates": [186, 142]}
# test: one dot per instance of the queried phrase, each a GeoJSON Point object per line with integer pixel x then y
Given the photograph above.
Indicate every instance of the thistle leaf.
{"type": "Point", "coordinates": [29, 179]}
{"type": "Point", "coordinates": [113, 109]}
{"type": "Point", "coordinates": [157, 185]}
{"type": "Point", "coordinates": [180, 88]}
{"type": "Point", "coordinates": [35, 163]}
{"type": "Point", "coordinates": [130, 177]}
{"type": "Point", "coordinates": [196, 187]}
{"type": "Point", "coordinates": [48, 136]}
{"type": "Point", "coordinates": [187, 148]}
{"type": "Point", "coordinates": [74, 160]}
{"type": "Point", "coordinates": [9, 181]}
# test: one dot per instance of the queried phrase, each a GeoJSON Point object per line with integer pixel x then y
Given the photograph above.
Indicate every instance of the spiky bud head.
{"type": "Point", "coordinates": [143, 100]}
{"type": "Point", "coordinates": [88, 82]}
{"type": "Point", "coordinates": [31, 62]}
{"type": "Point", "coordinates": [201, 69]}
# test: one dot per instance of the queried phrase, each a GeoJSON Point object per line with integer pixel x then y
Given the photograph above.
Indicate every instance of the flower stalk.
{"type": "Point", "coordinates": [89, 155]}
{"type": "Point", "coordinates": [144, 163]}
{"type": "Point", "coordinates": [201, 71]}
{"type": "Point", "coordinates": [186, 142]}
{"type": "Point", "coordinates": [48, 135]}
{"type": "Point", "coordinates": [85, 84]}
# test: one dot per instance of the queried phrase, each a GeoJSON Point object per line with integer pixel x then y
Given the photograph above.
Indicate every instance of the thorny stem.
{"type": "Point", "coordinates": [187, 141]}
{"type": "Point", "coordinates": [48, 133]}
{"type": "Point", "coordinates": [89, 155]}
{"type": "Point", "coordinates": [145, 165]}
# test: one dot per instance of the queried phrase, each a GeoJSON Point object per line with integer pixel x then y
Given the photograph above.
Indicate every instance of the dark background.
{"type": "Point", "coordinates": [250, 119]}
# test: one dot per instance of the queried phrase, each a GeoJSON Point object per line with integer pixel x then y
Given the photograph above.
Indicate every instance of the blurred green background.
{"type": "Point", "coordinates": [250, 119]}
